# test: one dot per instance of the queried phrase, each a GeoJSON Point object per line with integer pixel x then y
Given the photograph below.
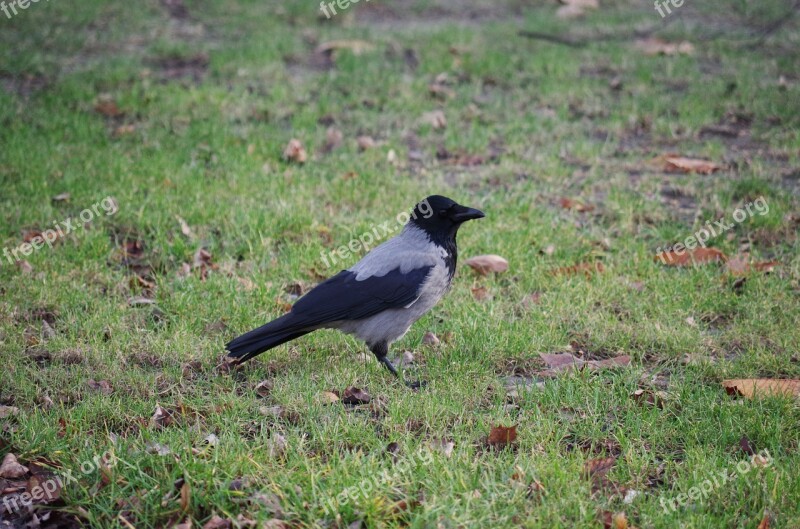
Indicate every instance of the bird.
{"type": "Point", "coordinates": [382, 295]}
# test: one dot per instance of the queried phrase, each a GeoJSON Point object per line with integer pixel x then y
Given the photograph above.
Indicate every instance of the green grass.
{"type": "Point", "coordinates": [208, 149]}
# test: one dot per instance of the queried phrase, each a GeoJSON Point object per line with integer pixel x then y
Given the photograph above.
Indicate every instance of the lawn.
{"type": "Point", "coordinates": [151, 139]}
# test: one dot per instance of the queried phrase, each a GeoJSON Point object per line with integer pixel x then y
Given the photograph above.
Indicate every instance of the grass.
{"type": "Point", "coordinates": [207, 103]}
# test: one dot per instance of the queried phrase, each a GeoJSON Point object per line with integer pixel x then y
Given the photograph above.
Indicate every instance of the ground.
{"type": "Point", "coordinates": [168, 122]}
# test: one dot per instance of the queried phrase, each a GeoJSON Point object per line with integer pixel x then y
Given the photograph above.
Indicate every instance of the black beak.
{"type": "Point", "coordinates": [463, 214]}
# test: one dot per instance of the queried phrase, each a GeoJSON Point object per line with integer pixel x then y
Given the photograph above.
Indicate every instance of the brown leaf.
{"type": "Point", "coordinates": [568, 203]}
{"type": "Point", "coordinates": [764, 522]}
{"type": "Point", "coordinates": [586, 269]}
{"type": "Point", "coordinates": [185, 229]}
{"type": "Point", "coordinates": [435, 119]}
{"type": "Point", "coordinates": [481, 293]}
{"type": "Point", "coordinates": [217, 523]}
{"type": "Point", "coordinates": [264, 388]}
{"type": "Point", "coordinates": [355, 396]}
{"type": "Point", "coordinates": [24, 266]}
{"type": "Point", "coordinates": [575, 8]}
{"type": "Point", "coordinates": [653, 46]}
{"type": "Point", "coordinates": [747, 446]}
{"type": "Point", "coordinates": [689, 165]}
{"type": "Point", "coordinates": [295, 152]}
{"type": "Point", "coordinates": [598, 467]}
{"type": "Point", "coordinates": [558, 362]}
{"type": "Point", "coordinates": [502, 436]}
{"type": "Point", "coordinates": [645, 396]}
{"type": "Point", "coordinates": [186, 496]}
{"type": "Point", "coordinates": [430, 339]}
{"type": "Point", "coordinates": [329, 397]}
{"type": "Point", "coordinates": [277, 445]}
{"type": "Point", "coordinates": [365, 143]}
{"type": "Point", "coordinates": [483, 264]}
{"type": "Point", "coordinates": [161, 417]}
{"type": "Point", "coordinates": [765, 266]}
{"type": "Point", "coordinates": [356, 46]}
{"type": "Point", "coordinates": [8, 411]}
{"type": "Point", "coordinates": [762, 387]}
{"type": "Point", "coordinates": [108, 108]}
{"type": "Point", "coordinates": [739, 266]}
{"type": "Point", "coordinates": [333, 139]}
{"type": "Point", "coordinates": [442, 445]}
{"type": "Point", "coordinates": [103, 386]}
{"type": "Point", "coordinates": [11, 468]}
{"type": "Point", "coordinates": [686, 257]}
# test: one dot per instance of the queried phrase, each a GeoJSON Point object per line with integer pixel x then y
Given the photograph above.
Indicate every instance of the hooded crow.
{"type": "Point", "coordinates": [381, 296]}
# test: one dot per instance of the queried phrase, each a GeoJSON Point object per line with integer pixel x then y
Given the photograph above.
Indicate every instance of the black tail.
{"type": "Point", "coordinates": [266, 337]}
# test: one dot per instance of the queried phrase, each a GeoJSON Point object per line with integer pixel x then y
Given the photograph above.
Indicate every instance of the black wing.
{"type": "Point", "coordinates": [342, 297]}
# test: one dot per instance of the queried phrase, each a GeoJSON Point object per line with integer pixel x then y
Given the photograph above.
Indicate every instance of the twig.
{"type": "Point", "coordinates": [608, 37]}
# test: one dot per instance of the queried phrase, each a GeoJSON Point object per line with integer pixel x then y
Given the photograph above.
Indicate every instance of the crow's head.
{"type": "Point", "coordinates": [441, 217]}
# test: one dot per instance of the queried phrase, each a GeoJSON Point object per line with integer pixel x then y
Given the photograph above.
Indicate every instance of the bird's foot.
{"type": "Point", "coordinates": [417, 384]}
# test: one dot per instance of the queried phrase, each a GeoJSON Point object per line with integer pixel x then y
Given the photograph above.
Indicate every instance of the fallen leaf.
{"type": "Point", "coordinates": [575, 8]}
{"type": "Point", "coordinates": [739, 266]}
{"type": "Point", "coordinates": [264, 388]}
{"type": "Point", "coordinates": [124, 130]}
{"type": "Point", "coordinates": [435, 119]}
{"type": "Point", "coordinates": [689, 165]}
{"type": "Point", "coordinates": [11, 469]}
{"type": "Point", "coordinates": [502, 436]}
{"type": "Point", "coordinates": [108, 108]}
{"type": "Point", "coordinates": [483, 264]}
{"type": "Point", "coordinates": [185, 229]}
{"type": "Point", "coordinates": [442, 445]}
{"type": "Point", "coordinates": [365, 143]}
{"type": "Point", "coordinates": [568, 203]}
{"type": "Point", "coordinates": [355, 396]}
{"type": "Point", "coordinates": [217, 523]}
{"type": "Point", "coordinates": [61, 197]}
{"type": "Point", "coordinates": [586, 269]}
{"type": "Point", "coordinates": [481, 293]}
{"type": "Point", "coordinates": [333, 139]}
{"type": "Point", "coordinates": [596, 469]}
{"type": "Point", "coordinates": [653, 46]}
{"type": "Point", "coordinates": [277, 445]}
{"type": "Point", "coordinates": [430, 339]}
{"type": "Point", "coordinates": [747, 446]}
{"type": "Point", "coordinates": [161, 417]}
{"type": "Point", "coordinates": [329, 397]}
{"type": "Point", "coordinates": [140, 300]}
{"type": "Point", "coordinates": [24, 266]}
{"type": "Point", "coordinates": [295, 152]}
{"type": "Point", "coordinates": [103, 386]}
{"type": "Point", "coordinates": [686, 257]}
{"type": "Point", "coordinates": [356, 46]}
{"type": "Point", "coordinates": [8, 411]}
{"type": "Point", "coordinates": [186, 496]}
{"type": "Point", "coordinates": [48, 333]}
{"type": "Point", "coordinates": [762, 387]}
{"type": "Point", "coordinates": [764, 522]}
{"type": "Point", "coordinates": [558, 362]}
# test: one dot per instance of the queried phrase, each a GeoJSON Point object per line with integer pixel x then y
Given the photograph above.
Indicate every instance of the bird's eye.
{"type": "Point", "coordinates": [442, 213]}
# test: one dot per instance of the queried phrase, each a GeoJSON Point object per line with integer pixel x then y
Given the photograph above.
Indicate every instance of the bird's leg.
{"type": "Point", "coordinates": [381, 352]}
